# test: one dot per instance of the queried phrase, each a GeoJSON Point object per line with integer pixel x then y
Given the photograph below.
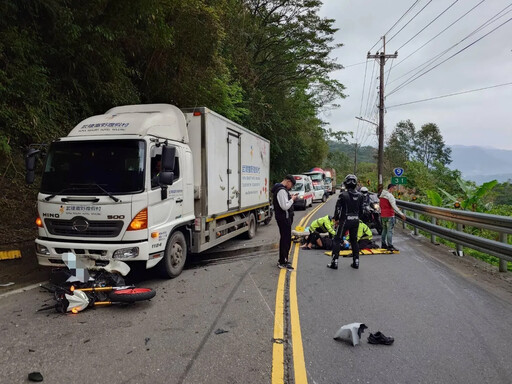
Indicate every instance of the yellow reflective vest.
{"type": "Point", "coordinates": [323, 225]}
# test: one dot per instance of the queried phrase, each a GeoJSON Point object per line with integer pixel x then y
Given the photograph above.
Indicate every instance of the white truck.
{"type": "Point", "coordinates": [149, 183]}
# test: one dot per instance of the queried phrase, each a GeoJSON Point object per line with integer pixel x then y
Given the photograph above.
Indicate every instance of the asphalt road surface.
{"type": "Point", "coordinates": [216, 323]}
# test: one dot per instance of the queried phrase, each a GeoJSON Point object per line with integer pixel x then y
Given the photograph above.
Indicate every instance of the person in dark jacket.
{"type": "Point", "coordinates": [349, 208]}
{"type": "Point", "coordinates": [283, 210]}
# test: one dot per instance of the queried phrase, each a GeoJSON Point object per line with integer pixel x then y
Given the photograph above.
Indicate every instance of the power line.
{"type": "Point", "coordinates": [426, 26]}
{"type": "Point", "coordinates": [427, 63]}
{"type": "Point", "coordinates": [410, 80]}
{"type": "Point", "coordinates": [451, 94]}
{"type": "Point", "coordinates": [417, 13]}
{"type": "Point", "coordinates": [370, 89]}
{"type": "Point", "coordinates": [353, 65]}
{"type": "Point", "coordinates": [401, 17]}
{"type": "Point", "coordinates": [364, 85]}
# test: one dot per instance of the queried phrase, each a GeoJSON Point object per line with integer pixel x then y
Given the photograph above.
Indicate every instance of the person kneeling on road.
{"type": "Point", "coordinates": [364, 237]}
{"type": "Point", "coordinates": [320, 226]}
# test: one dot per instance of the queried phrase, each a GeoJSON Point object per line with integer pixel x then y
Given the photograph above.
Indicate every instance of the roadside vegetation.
{"type": "Point", "coordinates": [264, 64]}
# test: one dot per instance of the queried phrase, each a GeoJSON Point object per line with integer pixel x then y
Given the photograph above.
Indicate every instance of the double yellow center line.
{"type": "Point", "coordinates": [278, 353]}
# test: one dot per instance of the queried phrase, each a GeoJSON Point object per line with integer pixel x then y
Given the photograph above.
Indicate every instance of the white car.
{"type": "Point", "coordinates": [319, 194]}
{"type": "Point", "coordinates": [304, 189]}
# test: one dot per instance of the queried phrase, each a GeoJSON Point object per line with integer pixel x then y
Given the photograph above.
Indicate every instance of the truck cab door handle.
{"type": "Point", "coordinates": [179, 200]}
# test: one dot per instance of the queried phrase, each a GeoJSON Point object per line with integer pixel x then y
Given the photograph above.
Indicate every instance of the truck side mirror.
{"type": "Point", "coordinates": [166, 178]}
{"type": "Point", "coordinates": [168, 158]}
{"type": "Point", "coordinates": [30, 165]}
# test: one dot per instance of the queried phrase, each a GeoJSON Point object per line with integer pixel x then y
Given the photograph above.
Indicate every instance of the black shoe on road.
{"type": "Point", "coordinates": [287, 266]}
{"type": "Point", "coordinates": [333, 265]}
{"type": "Point", "coordinates": [355, 264]}
{"type": "Point", "coordinates": [392, 249]}
{"type": "Point", "coordinates": [379, 338]}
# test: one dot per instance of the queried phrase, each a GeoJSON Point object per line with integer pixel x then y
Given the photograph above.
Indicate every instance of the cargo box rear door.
{"type": "Point", "coordinates": [233, 169]}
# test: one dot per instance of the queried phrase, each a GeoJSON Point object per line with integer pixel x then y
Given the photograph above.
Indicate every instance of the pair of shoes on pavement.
{"type": "Point", "coordinates": [379, 338]}
{"type": "Point", "coordinates": [287, 266]}
{"type": "Point", "coordinates": [389, 247]}
{"type": "Point", "coordinates": [333, 264]}
{"type": "Point", "coordinates": [355, 264]}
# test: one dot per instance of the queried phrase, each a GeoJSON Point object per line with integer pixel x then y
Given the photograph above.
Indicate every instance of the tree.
{"type": "Point", "coordinates": [429, 146]}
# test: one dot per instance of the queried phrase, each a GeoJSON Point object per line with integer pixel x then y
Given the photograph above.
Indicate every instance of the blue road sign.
{"type": "Point", "coordinates": [398, 172]}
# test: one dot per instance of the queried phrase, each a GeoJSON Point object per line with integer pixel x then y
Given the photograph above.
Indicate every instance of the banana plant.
{"type": "Point", "coordinates": [435, 198]}
{"type": "Point", "coordinates": [472, 195]}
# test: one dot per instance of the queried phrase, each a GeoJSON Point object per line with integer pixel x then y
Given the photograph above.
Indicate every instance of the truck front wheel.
{"type": "Point", "coordinates": [175, 256]}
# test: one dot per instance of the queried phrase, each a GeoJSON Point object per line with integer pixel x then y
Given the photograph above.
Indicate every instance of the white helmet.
{"type": "Point", "coordinates": [364, 190]}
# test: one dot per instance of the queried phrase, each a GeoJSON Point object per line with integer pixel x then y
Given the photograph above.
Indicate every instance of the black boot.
{"type": "Point", "coordinates": [333, 264]}
{"type": "Point", "coordinates": [355, 264]}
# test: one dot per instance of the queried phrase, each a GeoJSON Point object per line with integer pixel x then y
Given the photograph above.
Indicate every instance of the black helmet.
{"type": "Point", "coordinates": [350, 181]}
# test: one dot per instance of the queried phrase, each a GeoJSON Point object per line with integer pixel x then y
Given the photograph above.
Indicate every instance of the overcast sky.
{"type": "Point", "coordinates": [479, 118]}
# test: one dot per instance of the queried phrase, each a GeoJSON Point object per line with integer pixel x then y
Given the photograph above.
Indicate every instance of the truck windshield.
{"type": "Point", "coordinates": [94, 167]}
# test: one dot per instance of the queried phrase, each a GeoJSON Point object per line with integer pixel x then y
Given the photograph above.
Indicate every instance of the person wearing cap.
{"type": "Point", "coordinates": [283, 208]}
{"type": "Point", "coordinates": [387, 214]}
{"type": "Point", "coordinates": [324, 224]}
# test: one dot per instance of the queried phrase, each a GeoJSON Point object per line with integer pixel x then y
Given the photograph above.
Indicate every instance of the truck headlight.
{"type": "Point", "coordinates": [126, 253]}
{"type": "Point", "coordinates": [41, 249]}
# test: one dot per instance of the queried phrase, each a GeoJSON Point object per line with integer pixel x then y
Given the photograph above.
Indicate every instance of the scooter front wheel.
{"type": "Point", "coordinates": [131, 295]}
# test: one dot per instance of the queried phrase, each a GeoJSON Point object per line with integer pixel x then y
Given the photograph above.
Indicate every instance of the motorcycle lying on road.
{"type": "Point", "coordinates": [101, 289]}
{"type": "Point", "coordinates": [371, 213]}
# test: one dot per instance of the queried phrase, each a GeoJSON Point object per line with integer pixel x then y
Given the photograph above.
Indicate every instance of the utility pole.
{"type": "Point", "coordinates": [382, 62]}
{"type": "Point", "coordinates": [355, 159]}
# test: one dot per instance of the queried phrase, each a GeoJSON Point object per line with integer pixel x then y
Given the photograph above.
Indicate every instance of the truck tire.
{"type": "Point", "coordinates": [175, 256]}
{"type": "Point", "coordinates": [251, 224]}
{"type": "Point", "coordinates": [324, 198]}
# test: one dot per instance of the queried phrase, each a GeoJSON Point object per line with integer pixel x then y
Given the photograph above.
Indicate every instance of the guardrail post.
{"type": "Point", "coordinates": [416, 216]}
{"type": "Point", "coordinates": [460, 251]}
{"type": "Point", "coordinates": [432, 236]}
{"type": "Point", "coordinates": [503, 263]}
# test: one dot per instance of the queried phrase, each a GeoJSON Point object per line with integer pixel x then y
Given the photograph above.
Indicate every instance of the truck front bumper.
{"type": "Point", "coordinates": [50, 253]}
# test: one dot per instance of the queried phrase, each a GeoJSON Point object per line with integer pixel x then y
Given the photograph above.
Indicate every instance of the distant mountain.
{"type": "Point", "coordinates": [481, 164]}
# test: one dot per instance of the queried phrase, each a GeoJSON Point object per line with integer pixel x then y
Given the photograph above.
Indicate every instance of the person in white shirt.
{"type": "Point", "coordinates": [283, 208]}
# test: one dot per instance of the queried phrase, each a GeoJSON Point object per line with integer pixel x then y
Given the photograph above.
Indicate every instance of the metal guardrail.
{"type": "Point", "coordinates": [500, 224]}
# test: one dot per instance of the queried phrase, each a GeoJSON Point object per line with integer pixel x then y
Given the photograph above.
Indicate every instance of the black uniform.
{"type": "Point", "coordinates": [284, 222]}
{"type": "Point", "coordinates": [349, 208]}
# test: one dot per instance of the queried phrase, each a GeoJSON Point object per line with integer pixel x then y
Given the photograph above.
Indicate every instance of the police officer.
{"type": "Point", "coordinates": [349, 208]}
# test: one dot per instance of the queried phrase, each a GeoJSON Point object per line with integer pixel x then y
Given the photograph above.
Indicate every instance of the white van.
{"type": "Point", "coordinates": [304, 188]}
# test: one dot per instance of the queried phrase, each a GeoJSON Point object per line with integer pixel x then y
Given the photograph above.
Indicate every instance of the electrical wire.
{"type": "Point", "coordinates": [428, 62]}
{"type": "Point", "coordinates": [421, 10]}
{"type": "Point", "coordinates": [401, 17]}
{"type": "Point", "coordinates": [426, 26]}
{"type": "Point", "coordinates": [353, 65]}
{"type": "Point", "coordinates": [451, 94]}
{"type": "Point", "coordinates": [371, 87]}
{"type": "Point", "coordinates": [364, 85]}
{"type": "Point", "coordinates": [448, 27]}
{"type": "Point", "coordinates": [412, 78]}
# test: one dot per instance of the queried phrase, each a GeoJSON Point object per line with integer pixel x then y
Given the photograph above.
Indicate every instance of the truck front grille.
{"type": "Point", "coordinates": [86, 228]}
